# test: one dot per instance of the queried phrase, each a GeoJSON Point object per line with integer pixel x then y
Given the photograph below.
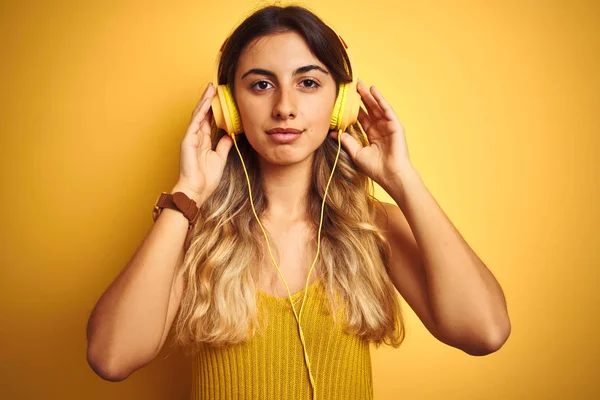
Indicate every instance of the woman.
{"type": "Point", "coordinates": [231, 281]}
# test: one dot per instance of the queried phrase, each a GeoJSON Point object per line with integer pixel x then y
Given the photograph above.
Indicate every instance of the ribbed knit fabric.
{"type": "Point", "coordinates": [271, 366]}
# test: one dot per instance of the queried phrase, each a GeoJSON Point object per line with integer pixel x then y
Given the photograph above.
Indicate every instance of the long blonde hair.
{"type": "Point", "coordinates": [219, 300]}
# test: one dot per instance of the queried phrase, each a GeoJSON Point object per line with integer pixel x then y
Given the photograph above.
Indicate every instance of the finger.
{"type": "Point", "coordinates": [350, 144]}
{"type": "Point", "coordinates": [369, 101]}
{"type": "Point", "coordinates": [206, 121]}
{"type": "Point", "coordinates": [364, 119]}
{"type": "Point", "coordinates": [388, 112]}
{"type": "Point", "coordinates": [224, 146]}
{"type": "Point", "coordinates": [208, 93]}
{"type": "Point", "coordinates": [203, 142]}
{"type": "Point", "coordinates": [198, 117]}
{"type": "Point", "coordinates": [204, 132]}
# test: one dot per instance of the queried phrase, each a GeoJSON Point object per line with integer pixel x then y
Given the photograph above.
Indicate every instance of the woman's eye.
{"type": "Point", "coordinates": [264, 85]}
{"type": "Point", "coordinates": [314, 83]}
{"type": "Point", "coordinates": [260, 85]}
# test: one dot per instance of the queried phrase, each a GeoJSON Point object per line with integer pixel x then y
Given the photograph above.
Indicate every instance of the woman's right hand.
{"type": "Point", "coordinates": [201, 168]}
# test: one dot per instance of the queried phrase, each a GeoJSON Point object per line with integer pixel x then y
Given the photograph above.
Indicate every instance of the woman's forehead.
{"type": "Point", "coordinates": [284, 51]}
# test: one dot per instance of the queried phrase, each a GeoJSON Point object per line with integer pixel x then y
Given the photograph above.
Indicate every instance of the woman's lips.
{"type": "Point", "coordinates": [284, 135]}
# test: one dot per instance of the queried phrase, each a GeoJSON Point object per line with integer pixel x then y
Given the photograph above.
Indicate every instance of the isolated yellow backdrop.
{"type": "Point", "coordinates": [500, 103]}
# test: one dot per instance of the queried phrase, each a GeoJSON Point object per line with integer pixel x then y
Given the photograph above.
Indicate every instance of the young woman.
{"type": "Point", "coordinates": [279, 289]}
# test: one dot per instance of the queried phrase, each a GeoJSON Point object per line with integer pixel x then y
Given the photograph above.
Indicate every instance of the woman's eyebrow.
{"type": "Point", "coordinates": [301, 70]}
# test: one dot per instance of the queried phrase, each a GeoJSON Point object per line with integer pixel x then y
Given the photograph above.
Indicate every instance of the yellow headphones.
{"type": "Point", "coordinates": [345, 113]}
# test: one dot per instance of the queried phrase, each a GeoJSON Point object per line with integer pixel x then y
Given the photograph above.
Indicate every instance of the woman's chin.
{"type": "Point", "coordinates": [285, 158]}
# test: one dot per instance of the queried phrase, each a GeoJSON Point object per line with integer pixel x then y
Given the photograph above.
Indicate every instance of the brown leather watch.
{"type": "Point", "coordinates": [177, 201]}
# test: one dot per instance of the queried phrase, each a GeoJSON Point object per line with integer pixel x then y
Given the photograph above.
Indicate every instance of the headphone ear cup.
{"type": "Point", "coordinates": [225, 111]}
{"type": "Point", "coordinates": [336, 115]}
{"type": "Point", "coordinates": [352, 105]}
{"type": "Point", "coordinates": [217, 109]}
{"type": "Point", "coordinates": [234, 115]}
{"type": "Point", "coordinates": [347, 104]}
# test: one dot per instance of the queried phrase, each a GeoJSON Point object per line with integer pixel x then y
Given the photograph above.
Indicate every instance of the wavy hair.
{"type": "Point", "coordinates": [219, 301]}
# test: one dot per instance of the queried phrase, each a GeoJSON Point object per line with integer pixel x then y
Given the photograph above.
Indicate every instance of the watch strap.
{"type": "Point", "coordinates": [177, 201]}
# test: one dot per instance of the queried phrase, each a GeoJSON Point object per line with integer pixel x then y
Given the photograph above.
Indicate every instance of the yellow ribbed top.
{"type": "Point", "coordinates": [271, 365]}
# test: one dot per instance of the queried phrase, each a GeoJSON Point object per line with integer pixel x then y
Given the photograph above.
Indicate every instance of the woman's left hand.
{"type": "Point", "coordinates": [386, 156]}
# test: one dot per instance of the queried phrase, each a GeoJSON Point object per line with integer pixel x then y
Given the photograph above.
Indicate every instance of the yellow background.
{"type": "Point", "coordinates": [501, 106]}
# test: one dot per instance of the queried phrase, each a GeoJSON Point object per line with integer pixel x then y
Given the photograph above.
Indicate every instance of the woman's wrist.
{"type": "Point", "coordinates": [192, 194]}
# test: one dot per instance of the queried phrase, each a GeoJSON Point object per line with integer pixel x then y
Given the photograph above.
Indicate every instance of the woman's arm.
{"type": "Point", "coordinates": [438, 274]}
{"type": "Point", "coordinates": [131, 320]}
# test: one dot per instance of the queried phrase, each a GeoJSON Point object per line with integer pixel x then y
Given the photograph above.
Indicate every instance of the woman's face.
{"type": "Point", "coordinates": [279, 83]}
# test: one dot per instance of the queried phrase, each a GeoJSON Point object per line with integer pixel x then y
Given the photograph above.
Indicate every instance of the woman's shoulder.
{"type": "Point", "coordinates": [383, 212]}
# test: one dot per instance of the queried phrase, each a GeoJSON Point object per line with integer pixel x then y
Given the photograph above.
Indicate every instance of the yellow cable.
{"type": "Point", "coordinates": [315, 260]}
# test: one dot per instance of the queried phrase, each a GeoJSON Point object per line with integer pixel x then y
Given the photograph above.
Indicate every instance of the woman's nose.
{"type": "Point", "coordinates": [285, 104]}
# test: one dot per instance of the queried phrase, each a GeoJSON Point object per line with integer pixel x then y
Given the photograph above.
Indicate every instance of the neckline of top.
{"type": "Point", "coordinates": [294, 295]}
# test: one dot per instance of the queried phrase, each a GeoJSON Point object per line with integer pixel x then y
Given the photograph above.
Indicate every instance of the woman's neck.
{"type": "Point", "coordinates": [286, 188]}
